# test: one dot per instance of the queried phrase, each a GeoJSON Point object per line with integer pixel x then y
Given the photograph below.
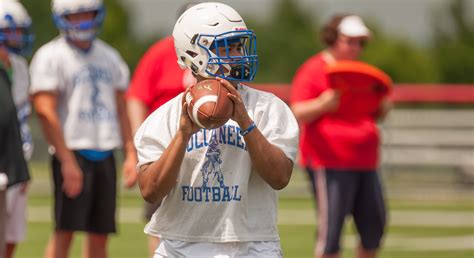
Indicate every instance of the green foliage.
{"type": "Point", "coordinates": [285, 42]}
{"type": "Point", "coordinates": [291, 36]}
{"type": "Point", "coordinates": [402, 61]}
{"type": "Point", "coordinates": [454, 44]}
{"type": "Point", "coordinates": [116, 31]}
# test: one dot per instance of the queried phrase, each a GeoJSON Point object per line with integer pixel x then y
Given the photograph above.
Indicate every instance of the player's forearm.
{"type": "Point", "coordinates": [268, 160]}
{"type": "Point", "coordinates": [125, 129]}
{"type": "Point", "coordinates": [51, 126]}
{"type": "Point", "coordinates": [158, 178]}
{"type": "Point", "coordinates": [137, 111]}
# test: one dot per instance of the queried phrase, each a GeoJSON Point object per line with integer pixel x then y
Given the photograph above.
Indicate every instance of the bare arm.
{"type": "Point", "coordinates": [268, 160]}
{"type": "Point", "coordinates": [312, 109]}
{"type": "Point", "coordinates": [158, 178]}
{"type": "Point", "coordinates": [130, 161]}
{"type": "Point", "coordinates": [137, 111]}
{"type": "Point", "coordinates": [45, 106]}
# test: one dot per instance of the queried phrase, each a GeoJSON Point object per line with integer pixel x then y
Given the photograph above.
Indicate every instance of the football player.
{"type": "Point", "coordinates": [217, 187]}
{"type": "Point", "coordinates": [16, 41]}
{"type": "Point", "coordinates": [78, 85]}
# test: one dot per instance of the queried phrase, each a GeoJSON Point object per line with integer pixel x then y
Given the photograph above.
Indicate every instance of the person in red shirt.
{"type": "Point", "coordinates": [157, 79]}
{"type": "Point", "coordinates": [340, 153]}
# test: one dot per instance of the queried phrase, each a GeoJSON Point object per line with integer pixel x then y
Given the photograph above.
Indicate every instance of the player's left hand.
{"type": "Point", "coordinates": [130, 174]}
{"type": "Point", "coordinates": [240, 114]}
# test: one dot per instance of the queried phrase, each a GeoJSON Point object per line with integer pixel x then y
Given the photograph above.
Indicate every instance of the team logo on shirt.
{"type": "Point", "coordinates": [212, 165]}
{"type": "Point", "coordinates": [213, 186]}
{"type": "Point", "coordinates": [93, 76]}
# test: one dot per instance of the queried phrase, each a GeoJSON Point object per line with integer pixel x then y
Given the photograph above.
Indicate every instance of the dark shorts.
{"type": "Point", "coordinates": [340, 193]}
{"type": "Point", "coordinates": [94, 209]}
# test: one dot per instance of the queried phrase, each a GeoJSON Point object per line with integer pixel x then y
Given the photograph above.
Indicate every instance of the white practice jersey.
{"type": "Point", "coordinates": [218, 198]}
{"type": "Point", "coordinates": [86, 84]}
{"type": "Point", "coordinates": [20, 85]}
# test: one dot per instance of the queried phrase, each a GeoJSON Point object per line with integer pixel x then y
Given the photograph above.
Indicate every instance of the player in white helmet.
{"type": "Point", "coordinates": [16, 40]}
{"type": "Point", "coordinates": [217, 187]}
{"type": "Point", "coordinates": [78, 85]}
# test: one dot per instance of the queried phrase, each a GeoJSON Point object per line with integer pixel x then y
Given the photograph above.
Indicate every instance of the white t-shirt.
{"type": "Point", "coordinates": [86, 84]}
{"type": "Point", "coordinates": [20, 85]}
{"type": "Point", "coordinates": [218, 198]}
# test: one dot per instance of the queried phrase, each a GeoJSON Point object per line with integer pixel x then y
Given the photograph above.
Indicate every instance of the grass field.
{"type": "Point", "coordinates": [423, 222]}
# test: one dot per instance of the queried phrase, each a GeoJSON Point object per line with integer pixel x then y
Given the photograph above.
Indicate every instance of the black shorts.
{"type": "Point", "coordinates": [94, 209]}
{"type": "Point", "coordinates": [340, 193]}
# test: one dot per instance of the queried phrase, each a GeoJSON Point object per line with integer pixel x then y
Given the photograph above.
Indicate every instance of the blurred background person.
{"type": "Point", "coordinates": [13, 168]}
{"type": "Point", "coordinates": [157, 79]}
{"type": "Point", "coordinates": [78, 86]}
{"type": "Point", "coordinates": [15, 41]}
{"type": "Point", "coordinates": [340, 154]}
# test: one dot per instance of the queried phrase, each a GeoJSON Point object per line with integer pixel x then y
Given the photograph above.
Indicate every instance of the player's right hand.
{"type": "Point", "coordinates": [186, 124]}
{"type": "Point", "coordinates": [73, 179]}
{"type": "Point", "coordinates": [330, 100]}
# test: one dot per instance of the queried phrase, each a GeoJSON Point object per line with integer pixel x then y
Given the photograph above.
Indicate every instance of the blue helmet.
{"type": "Point", "coordinates": [206, 27]}
{"type": "Point", "coordinates": [15, 27]}
{"type": "Point", "coordinates": [83, 31]}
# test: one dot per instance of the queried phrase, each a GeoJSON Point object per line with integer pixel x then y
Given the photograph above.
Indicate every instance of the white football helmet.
{"type": "Point", "coordinates": [83, 31]}
{"type": "Point", "coordinates": [15, 25]}
{"type": "Point", "coordinates": [206, 27]}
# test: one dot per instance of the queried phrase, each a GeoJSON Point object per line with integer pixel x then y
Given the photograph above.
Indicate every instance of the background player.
{"type": "Point", "coordinates": [16, 40]}
{"type": "Point", "coordinates": [223, 217]}
{"type": "Point", "coordinates": [339, 153]}
{"type": "Point", "coordinates": [78, 85]}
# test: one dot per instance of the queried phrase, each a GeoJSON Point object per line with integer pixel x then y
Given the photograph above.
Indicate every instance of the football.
{"type": "Point", "coordinates": [208, 104]}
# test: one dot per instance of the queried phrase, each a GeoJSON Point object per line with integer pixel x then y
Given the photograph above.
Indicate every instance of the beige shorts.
{"type": "Point", "coordinates": [258, 249]}
{"type": "Point", "coordinates": [16, 214]}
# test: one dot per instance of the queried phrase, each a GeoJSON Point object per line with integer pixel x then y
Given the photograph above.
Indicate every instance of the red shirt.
{"type": "Point", "coordinates": [158, 77]}
{"type": "Point", "coordinates": [332, 141]}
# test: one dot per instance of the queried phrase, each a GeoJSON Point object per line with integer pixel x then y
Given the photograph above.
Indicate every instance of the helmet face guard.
{"type": "Point", "coordinates": [83, 31]}
{"type": "Point", "coordinates": [231, 67]}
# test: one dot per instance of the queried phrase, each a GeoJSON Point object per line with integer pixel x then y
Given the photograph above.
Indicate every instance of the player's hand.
{"type": "Point", "coordinates": [130, 174]}
{"type": "Point", "coordinates": [186, 124]}
{"type": "Point", "coordinates": [330, 100]}
{"type": "Point", "coordinates": [24, 187]}
{"type": "Point", "coordinates": [240, 114]}
{"type": "Point", "coordinates": [73, 178]}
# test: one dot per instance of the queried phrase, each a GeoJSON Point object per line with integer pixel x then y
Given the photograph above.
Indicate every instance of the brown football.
{"type": "Point", "coordinates": [208, 104]}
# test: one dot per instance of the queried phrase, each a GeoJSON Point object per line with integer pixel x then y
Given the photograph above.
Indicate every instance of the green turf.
{"type": "Point", "coordinates": [297, 240]}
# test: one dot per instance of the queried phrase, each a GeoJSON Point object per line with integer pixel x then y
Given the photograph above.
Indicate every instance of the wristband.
{"type": "Point", "coordinates": [248, 130]}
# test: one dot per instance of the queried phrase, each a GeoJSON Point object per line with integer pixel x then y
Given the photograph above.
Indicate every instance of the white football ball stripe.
{"type": "Point", "coordinates": [199, 103]}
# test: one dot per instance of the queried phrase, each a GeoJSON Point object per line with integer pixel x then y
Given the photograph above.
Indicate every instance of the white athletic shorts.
{"type": "Point", "coordinates": [259, 249]}
{"type": "Point", "coordinates": [16, 214]}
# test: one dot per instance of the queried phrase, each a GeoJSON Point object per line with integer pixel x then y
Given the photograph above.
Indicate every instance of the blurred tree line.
{"type": "Point", "coordinates": [291, 36]}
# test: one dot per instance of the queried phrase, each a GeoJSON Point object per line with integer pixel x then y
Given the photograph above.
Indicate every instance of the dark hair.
{"type": "Point", "coordinates": [330, 31]}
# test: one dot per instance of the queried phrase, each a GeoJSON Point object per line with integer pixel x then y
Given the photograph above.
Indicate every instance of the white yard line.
{"type": "Point", "coordinates": [306, 217]}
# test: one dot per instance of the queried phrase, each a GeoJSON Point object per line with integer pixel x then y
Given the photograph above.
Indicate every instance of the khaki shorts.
{"type": "Point", "coordinates": [16, 214]}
